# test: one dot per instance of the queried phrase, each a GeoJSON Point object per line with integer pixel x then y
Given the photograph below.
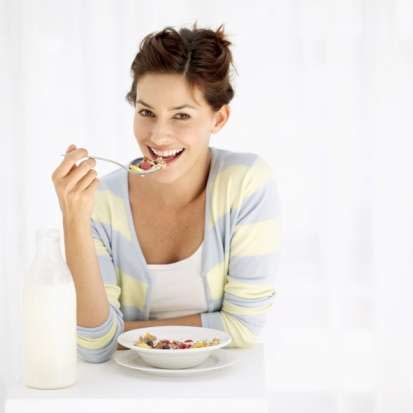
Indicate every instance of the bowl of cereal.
{"type": "Point", "coordinates": [174, 347]}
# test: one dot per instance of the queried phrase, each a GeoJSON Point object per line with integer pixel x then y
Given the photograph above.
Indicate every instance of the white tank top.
{"type": "Point", "coordinates": [178, 289]}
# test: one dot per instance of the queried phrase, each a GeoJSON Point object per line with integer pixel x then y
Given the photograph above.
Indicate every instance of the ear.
{"type": "Point", "coordinates": [220, 118]}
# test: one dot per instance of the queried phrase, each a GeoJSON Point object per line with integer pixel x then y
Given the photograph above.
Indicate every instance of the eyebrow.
{"type": "Point", "coordinates": [186, 105]}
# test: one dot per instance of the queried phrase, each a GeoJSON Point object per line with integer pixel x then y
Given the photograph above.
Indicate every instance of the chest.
{"type": "Point", "coordinates": [166, 238]}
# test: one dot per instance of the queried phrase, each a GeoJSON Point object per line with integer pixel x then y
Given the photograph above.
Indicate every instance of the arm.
{"type": "Point", "coordinates": [92, 303]}
{"type": "Point", "coordinates": [189, 320]}
{"type": "Point", "coordinates": [254, 246]}
{"type": "Point", "coordinates": [97, 343]}
{"type": "Point", "coordinates": [97, 321]}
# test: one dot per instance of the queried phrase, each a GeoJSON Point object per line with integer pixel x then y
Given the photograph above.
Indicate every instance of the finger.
{"type": "Point", "coordinates": [86, 180]}
{"type": "Point", "coordinates": [69, 161]}
{"type": "Point", "coordinates": [92, 187]}
{"type": "Point", "coordinates": [77, 174]}
{"type": "Point", "coordinates": [70, 148]}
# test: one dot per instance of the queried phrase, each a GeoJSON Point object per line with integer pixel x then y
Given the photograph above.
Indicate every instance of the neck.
{"type": "Point", "coordinates": [180, 194]}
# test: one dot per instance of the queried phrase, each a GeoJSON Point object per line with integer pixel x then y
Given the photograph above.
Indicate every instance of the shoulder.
{"type": "Point", "coordinates": [111, 203]}
{"type": "Point", "coordinates": [243, 170]}
{"type": "Point", "coordinates": [113, 181]}
{"type": "Point", "coordinates": [225, 157]}
{"type": "Point", "coordinates": [110, 194]}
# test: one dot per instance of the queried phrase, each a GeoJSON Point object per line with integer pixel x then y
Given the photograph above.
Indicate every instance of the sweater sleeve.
{"type": "Point", "coordinates": [255, 242]}
{"type": "Point", "coordinates": [97, 344]}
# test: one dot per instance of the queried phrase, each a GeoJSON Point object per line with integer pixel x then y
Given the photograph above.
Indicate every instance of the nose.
{"type": "Point", "coordinates": [160, 133]}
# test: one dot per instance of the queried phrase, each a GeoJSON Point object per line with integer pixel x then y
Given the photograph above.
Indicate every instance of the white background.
{"type": "Point", "coordinates": [323, 92]}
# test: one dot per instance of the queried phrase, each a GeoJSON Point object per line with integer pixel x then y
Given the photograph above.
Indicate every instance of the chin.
{"type": "Point", "coordinates": [166, 176]}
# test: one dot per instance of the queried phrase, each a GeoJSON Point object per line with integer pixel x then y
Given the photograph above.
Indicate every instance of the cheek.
{"type": "Point", "coordinates": [139, 128]}
{"type": "Point", "coordinates": [194, 129]}
{"type": "Point", "coordinates": [190, 133]}
{"type": "Point", "coordinates": [195, 139]}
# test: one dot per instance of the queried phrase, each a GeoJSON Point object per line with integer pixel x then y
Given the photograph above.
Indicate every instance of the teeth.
{"type": "Point", "coordinates": [167, 153]}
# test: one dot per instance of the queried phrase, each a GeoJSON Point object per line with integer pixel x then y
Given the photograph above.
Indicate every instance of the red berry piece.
{"type": "Point", "coordinates": [145, 165]}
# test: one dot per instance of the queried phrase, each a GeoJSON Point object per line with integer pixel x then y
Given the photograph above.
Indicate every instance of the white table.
{"type": "Point", "coordinates": [109, 387]}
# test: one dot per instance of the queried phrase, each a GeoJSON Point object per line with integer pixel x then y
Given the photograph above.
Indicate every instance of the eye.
{"type": "Point", "coordinates": [147, 113]}
{"type": "Point", "coordinates": [144, 110]}
{"type": "Point", "coordinates": [186, 116]}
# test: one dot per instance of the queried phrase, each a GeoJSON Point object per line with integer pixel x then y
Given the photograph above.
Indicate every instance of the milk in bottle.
{"type": "Point", "coordinates": [49, 301]}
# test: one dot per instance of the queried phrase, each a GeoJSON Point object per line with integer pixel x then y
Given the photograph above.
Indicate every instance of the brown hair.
{"type": "Point", "coordinates": [201, 55]}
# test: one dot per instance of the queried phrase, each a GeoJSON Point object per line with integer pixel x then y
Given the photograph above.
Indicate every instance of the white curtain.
{"type": "Point", "coordinates": [323, 92]}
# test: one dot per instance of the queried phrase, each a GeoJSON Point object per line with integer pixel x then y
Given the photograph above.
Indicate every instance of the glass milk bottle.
{"type": "Point", "coordinates": [49, 312]}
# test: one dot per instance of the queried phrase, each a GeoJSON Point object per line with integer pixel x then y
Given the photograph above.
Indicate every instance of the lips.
{"type": "Point", "coordinates": [167, 159]}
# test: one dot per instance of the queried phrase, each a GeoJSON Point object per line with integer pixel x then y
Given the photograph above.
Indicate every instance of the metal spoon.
{"type": "Point", "coordinates": [128, 168]}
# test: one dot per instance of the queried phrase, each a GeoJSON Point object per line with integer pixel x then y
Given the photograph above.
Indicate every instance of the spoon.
{"type": "Point", "coordinates": [133, 167]}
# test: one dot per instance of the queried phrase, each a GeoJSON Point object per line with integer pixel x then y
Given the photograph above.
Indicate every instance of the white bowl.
{"type": "Point", "coordinates": [174, 358]}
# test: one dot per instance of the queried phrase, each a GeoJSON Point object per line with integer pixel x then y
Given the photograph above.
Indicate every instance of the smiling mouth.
{"type": "Point", "coordinates": [167, 159]}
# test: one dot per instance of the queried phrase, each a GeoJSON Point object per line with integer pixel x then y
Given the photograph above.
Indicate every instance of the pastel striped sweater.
{"type": "Point", "coordinates": [242, 237]}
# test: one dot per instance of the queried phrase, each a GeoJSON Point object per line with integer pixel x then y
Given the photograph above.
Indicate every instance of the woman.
{"type": "Point", "coordinates": [194, 244]}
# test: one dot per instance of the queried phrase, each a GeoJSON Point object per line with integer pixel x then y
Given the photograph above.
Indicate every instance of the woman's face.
{"type": "Point", "coordinates": [169, 115]}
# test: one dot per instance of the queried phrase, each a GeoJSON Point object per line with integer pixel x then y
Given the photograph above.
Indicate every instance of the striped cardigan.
{"type": "Point", "coordinates": [239, 257]}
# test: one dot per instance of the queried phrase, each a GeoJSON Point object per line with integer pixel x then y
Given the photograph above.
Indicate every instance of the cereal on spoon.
{"type": "Point", "coordinates": [147, 163]}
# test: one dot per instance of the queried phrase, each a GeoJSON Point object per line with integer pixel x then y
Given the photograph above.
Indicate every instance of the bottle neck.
{"type": "Point", "coordinates": [48, 266]}
{"type": "Point", "coordinates": [48, 252]}
{"type": "Point", "coordinates": [48, 247]}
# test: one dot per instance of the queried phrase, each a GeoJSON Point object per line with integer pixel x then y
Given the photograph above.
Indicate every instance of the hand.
{"type": "Point", "coordinates": [76, 185]}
